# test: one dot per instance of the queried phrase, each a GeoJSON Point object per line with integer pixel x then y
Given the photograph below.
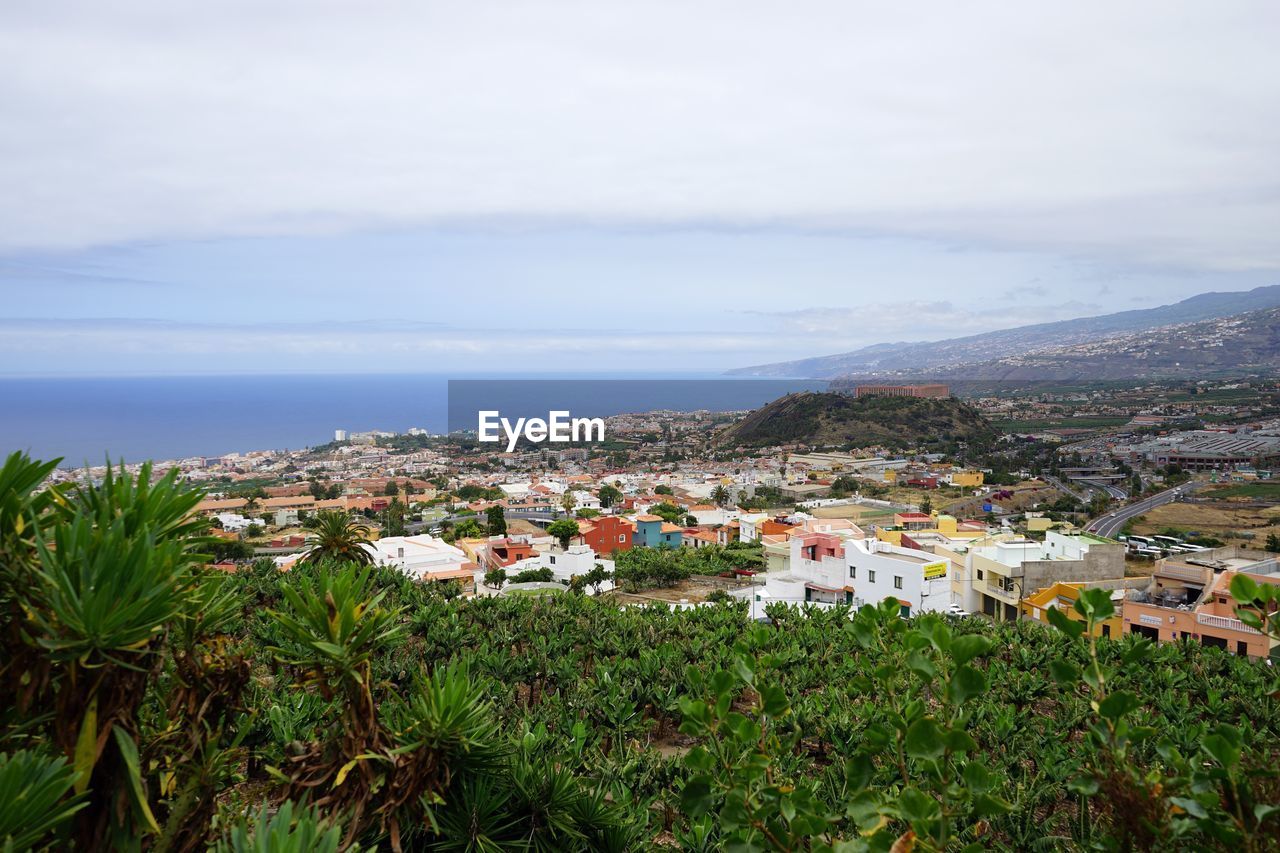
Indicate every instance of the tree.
{"type": "Point", "coordinates": [1273, 543]}
{"type": "Point", "coordinates": [497, 520]}
{"type": "Point", "coordinates": [926, 505]}
{"type": "Point", "coordinates": [720, 495]}
{"type": "Point", "coordinates": [393, 518]}
{"type": "Point", "coordinates": [339, 537]}
{"type": "Point", "coordinates": [495, 578]}
{"type": "Point", "coordinates": [596, 577]}
{"type": "Point", "coordinates": [542, 575]}
{"type": "Point", "coordinates": [253, 531]}
{"type": "Point", "coordinates": [568, 502]}
{"type": "Point", "coordinates": [843, 485]}
{"type": "Point", "coordinates": [468, 529]}
{"type": "Point", "coordinates": [391, 488]}
{"type": "Point", "coordinates": [609, 495]}
{"type": "Point", "coordinates": [663, 490]}
{"type": "Point", "coordinates": [668, 512]}
{"type": "Point", "coordinates": [564, 529]}
{"type": "Point", "coordinates": [230, 549]}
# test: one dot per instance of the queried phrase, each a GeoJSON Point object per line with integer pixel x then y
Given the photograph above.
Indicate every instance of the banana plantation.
{"type": "Point", "coordinates": [151, 703]}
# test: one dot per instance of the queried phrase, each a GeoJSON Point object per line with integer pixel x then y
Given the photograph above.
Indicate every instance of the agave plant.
{"type": "Point", "coordinates": [113, 579]}
{"type": "Point", "coordinates": [23, 671]}
{"type": "Point", "coordinates": [292, 829]}
{"type": "Point", "coordinates": [34, 800]}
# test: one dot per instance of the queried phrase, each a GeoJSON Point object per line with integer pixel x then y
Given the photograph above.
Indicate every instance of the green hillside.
{"type": "Point", "coordinates": [829, 419]}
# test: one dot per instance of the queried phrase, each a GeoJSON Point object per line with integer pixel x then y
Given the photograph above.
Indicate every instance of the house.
{"type": "Point", "coordinates": [1002, 570]}
{"type": "Point", "coordinates": [564, 565]}
{"type": "Point", "coordinates": [1063, 595]}
{"type": "Point", "coordinates": [698, 537]}
{"type": "Point", "coordinates": [653, 532]}
{"type": "Point", "coordinates": [605, 534]}
{"type": "Point", "coordinates": [502, 551]}
{"type": "Point", "coordinates": [827, 569]}
{"type": "Point", "coordinates": [1189, 598]}
{"type": "Point", "coordinates": [425, 558]}
{"type": "Point", "coordinates": [966, 479]}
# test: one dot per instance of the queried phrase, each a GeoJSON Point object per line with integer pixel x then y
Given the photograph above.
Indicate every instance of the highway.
{"type": "Point", "coordinates": [1113, 522]}
{"type": "Point", "coordinates": [1114, 492]}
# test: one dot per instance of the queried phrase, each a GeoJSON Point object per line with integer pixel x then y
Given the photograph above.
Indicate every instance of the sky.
{"type": "Point", "coordinates": [322, 186]}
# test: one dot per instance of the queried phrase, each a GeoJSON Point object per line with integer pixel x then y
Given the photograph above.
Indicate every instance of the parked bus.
{"type": "Point", "coordinates": [1141, 541]}
{"type": "Point", "coordinates": [1167, 541]}
{"type": "Point", "coordinates": [1150, 553]}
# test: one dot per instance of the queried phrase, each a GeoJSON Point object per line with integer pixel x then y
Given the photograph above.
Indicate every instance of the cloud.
{"type": "Point", "coordinates": [918, 320]}
{"type": "Point", "coordinates": [1142, 131]}
{"type": "Point", "coordinates": [155, 346]}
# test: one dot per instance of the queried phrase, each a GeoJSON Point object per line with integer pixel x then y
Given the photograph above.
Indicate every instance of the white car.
{"type": "Point", "coordinates": [957, 611]}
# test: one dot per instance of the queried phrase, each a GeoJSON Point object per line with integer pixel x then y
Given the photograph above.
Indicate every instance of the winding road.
{"type": "Point", "coordinates": [1113, 522]}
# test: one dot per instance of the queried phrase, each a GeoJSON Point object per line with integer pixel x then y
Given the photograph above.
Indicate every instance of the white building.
{"type": "Point", "coordinates": [576, 560]}
{"type": "Point", "coordinates": [424, 558]}
{"type": "Point", "coordinates": [339, 435]}
{"type": "Point", "coordinates": [233, 521]}
{"type": "Point", "coordinates": [749, 525]}
{"type": "Point", "coordinates": [829, 569]}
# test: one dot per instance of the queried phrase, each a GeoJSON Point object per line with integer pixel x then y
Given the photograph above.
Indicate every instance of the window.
{"type": "Point", "coordinates": [980, 574]}
{"type": "Point", "coordinates": [622, 537]}
{"type": "Point", "coordinates": [853, 571]}
{"type": "Point", "coordinates": [897, 582]}
{"type": "Point", "coordinates": [553, 559]}
{"type": "Point", "coordinates": [871, 575]}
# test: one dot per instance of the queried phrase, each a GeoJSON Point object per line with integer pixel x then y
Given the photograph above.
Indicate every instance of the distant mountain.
{"type": "Point", "coordinates": [828, 420]}
{"type": "Point", "coordinates": [1246, 343]}
{"type": "Point", "coordinates": [943, 357]}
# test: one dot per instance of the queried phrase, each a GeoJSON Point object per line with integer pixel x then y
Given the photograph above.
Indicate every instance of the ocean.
{"type": "Point", "coordinates": [88, 420]}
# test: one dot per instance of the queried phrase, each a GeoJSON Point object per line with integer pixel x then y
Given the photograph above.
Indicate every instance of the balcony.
{"type": "Point", "coordinates": [1224, 622]}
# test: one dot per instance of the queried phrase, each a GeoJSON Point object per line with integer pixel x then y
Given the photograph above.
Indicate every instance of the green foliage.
{"type": "Point", "coordinates": [497, 520]}
{"type": "Point", "coordinates": [563, 529]}
{"type": "Point", "coordinates": [290, 830]}
{"type": "Point", "coordinates": [668, 512]}
{"type": "Point", "coordinates": [542, 575]}
{"type": "Point", "coordinates": [609, 495]}
{"type": "Point", "coordinates": [35, 799]}
{"type": "Point", "coordinates": [380, 712]}
{"type": "Point", "coordinates": [337, 536]}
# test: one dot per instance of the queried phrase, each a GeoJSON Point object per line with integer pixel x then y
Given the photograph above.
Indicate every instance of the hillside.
{"type": "Point", "coordinates": [940, 356]}
{"type": "Point", "coordinates": [828, 419]}
{"type": "Point", "coordinates": [1244, 344]}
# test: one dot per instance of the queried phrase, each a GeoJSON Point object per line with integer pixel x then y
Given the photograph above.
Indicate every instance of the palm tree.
{"type": "Point", "coordinates": [337, 536]}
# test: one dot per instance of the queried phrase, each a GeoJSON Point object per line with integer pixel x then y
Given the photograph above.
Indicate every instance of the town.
{"type": "Point", "coordinates": [1159, 494]}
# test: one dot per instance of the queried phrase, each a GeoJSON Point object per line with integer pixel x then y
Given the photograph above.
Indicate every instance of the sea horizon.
{"type": "Point", "coordinates": [86, 420]}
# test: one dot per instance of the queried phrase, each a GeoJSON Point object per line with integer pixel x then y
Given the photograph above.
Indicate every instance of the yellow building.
{"type": "Point", "coordinates": [1063, 595]}
{"type": "Point", "coordinates": [966, 479]}
{"type": "Point", "coordinates": [943, 525]}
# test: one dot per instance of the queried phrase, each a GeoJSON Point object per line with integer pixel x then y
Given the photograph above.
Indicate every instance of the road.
{"type": "Point", "coordinates": [1114, 492]}
{"type": "Point", "coordinates": [1113, 522]}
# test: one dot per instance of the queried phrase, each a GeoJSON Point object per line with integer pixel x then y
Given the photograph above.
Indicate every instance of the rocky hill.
{"type": "Point", "coordinates": [828, 420]}
{"type": "Point", "coordinates": [949, 356]}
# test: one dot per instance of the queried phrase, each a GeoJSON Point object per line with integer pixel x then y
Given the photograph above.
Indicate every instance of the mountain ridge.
{"type": "Point", "coordinates": [920, 358]}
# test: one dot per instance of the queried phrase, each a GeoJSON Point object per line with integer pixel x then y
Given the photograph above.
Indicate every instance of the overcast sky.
{"type": "Point", "coordinates": [282, 186]}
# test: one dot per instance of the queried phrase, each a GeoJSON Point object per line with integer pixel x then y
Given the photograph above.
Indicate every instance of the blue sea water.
{"type": "Point", "coordinates": [86, 420]}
